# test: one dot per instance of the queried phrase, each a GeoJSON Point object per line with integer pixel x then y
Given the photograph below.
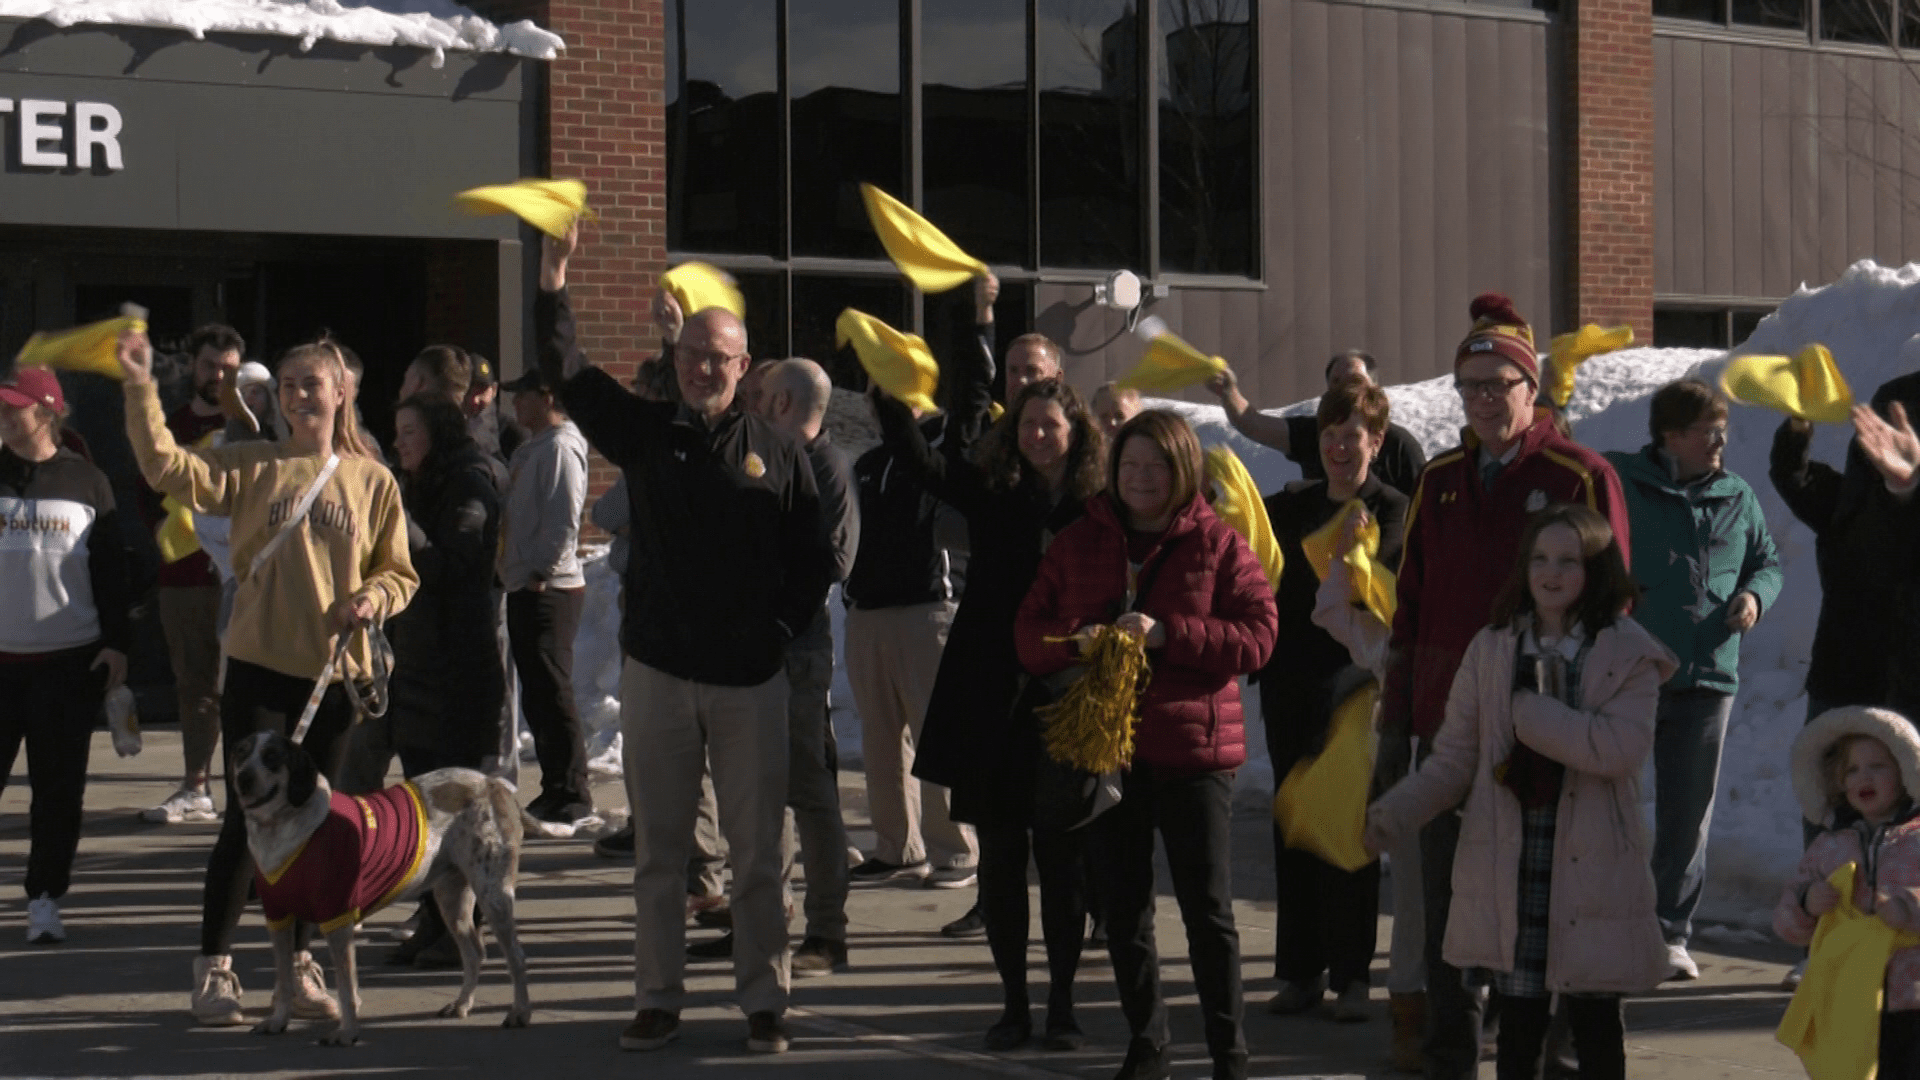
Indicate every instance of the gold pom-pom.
{"type": "Point", "coordinates": [1091, 726]}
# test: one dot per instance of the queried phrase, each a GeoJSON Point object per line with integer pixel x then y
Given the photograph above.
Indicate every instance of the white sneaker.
{"type": "Point", "coordinates": [185, 805]}
{"type": "Point", "coordinates": [1684, 969]}
{"type": "Point", "coordinates": [310, 998]}
{"type": "Point", "coordinates": [43, 922]}
{"type": "Point", "coordinates": [1793, 977]}
{"type": "Point", "coordinates": [216, 992]}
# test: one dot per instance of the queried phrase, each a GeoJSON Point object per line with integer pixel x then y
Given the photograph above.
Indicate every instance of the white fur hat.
{"type": "Point", "coordinates": [1894, 731]}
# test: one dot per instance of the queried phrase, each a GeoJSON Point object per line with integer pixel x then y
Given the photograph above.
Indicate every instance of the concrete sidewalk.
{"type": "Point", "coordinates": [112, 1000]}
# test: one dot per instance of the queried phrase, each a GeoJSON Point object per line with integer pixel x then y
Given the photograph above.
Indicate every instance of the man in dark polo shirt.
{"type": "Point", "coordinates": [729, 562]}
{"type": "Point", "coordinates": [189, 592]}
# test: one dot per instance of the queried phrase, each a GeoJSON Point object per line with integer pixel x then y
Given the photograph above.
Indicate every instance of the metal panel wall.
{"type": "Point", "coordinates": [1406, 169]}
{"type": "Point", "coordinates": [1780, 164]}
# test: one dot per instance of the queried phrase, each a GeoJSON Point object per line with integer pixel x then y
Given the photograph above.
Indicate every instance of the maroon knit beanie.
{"type": "Point", "coordinates": [1500, 330]}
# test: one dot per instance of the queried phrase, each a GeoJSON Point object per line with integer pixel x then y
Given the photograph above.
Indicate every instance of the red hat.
{"type": "Point", "coordinates": [1500, 330]}
{"type": "Point", "coordinates": [33, 386]}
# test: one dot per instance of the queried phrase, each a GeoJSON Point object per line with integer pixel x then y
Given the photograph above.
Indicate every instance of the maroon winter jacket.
{"type": "Point", "coordinates": [1204, 584]}
{"type": "Point", "coordinates": [1462, 541]}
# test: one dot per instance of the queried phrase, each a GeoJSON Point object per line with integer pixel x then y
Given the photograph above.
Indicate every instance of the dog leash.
{"type": "Point", "coordinates": [374, 702]}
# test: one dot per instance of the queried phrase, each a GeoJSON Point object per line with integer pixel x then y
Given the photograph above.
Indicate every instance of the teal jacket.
{"type": "Point", "coordinates": [1695, 548]}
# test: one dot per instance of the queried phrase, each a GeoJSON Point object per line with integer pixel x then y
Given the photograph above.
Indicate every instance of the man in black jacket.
{"type": "Point", "coordinates": [1298, 437]}
{"type": "Point", "coordinates": [728, 564]}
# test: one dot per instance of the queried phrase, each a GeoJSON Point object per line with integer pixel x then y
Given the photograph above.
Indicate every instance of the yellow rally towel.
{"type": "Point", "coordinates": [1321, 807]}
{"type": "Point", "coordinates": [1834, 1020]}
{"type": "Point", "coordinates": [900, 363]}
{"type": "Point", "coordinates": [1808, 385]}
{"type": "Point", "coordinates": [92, 348]}
{"type": "Point", "coordinates": [1373, 584]}
{"type": "Point", "coordinates": [548, 205]}
{"type": "Point", "coordinates": [1169, 364]}
{"type": "Point", "coordinates": [1568, 351]}
{"type": "Point", "coordinates": [1237, 501]}
{"type": "Point", "coordinates": [923, 253]}
{"type": "Point", "coordinates": [995, 411]}
{"type": "Point", "coordinates": [696, 287]}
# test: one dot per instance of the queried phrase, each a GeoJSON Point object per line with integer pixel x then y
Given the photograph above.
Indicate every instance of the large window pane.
{"type": "Point", "coordinates": [1865, 22]}
{"type": "Point", "coordinates": [973, 109]}
{"type": "Point", "coordinates": [1780, 14]}
{"type": "Point", "coordinates": [765, 294]}
{"type": "Point", "coordinates": [1684, 328]}
{"type": "Point", "coordinates": [1090, 153]}
{"type": "Point", "coordinates": [1207, 148]}
{"type": "Point", "coordinates": [818, 301]}
{"type": "Point", "coordinates": [723, 116]}
{"type": "Point", "coordinates": [1699, 10]}
{"type": "Point", "coordinates": [843, 70]}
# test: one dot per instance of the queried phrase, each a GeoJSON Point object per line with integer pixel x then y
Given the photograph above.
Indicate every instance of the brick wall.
{"type": "Point", "coordinates": [605, 124]}
{"type": "Point", "coordinates": [1611, 98]}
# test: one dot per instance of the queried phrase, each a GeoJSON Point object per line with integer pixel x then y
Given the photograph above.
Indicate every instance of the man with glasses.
{"type": "Point", "coordinates": [1462, 541]}
{"type": "Point", "coordinates": [729, 561]}
{"type": "Point", "coordinates": [1400, 459]}
{"type": "Point", "coordinates": [1707, 570]}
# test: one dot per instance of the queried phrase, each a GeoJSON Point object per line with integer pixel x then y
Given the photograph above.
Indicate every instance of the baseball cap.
{"type": "Point", "coordinates": [483, 373]}
{"type": "Point", "coordinates": [33, 386]}
{"type": "Point", "coordinates": [533, 379]}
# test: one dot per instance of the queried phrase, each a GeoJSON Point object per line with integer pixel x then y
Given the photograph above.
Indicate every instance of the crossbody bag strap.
{"type": "Point", "coordinates": [298, 515]}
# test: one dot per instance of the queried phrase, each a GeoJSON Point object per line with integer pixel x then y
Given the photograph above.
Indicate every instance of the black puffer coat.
{"type": "Point", "coordinates": [448, 686]}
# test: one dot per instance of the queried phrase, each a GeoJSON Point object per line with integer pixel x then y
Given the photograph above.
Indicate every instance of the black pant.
{"type": "Point", "coordinates": [1193, 813]}
{"type": "Point", "coordinates": [540, 628]}
{"type": "Point", "coordinates": [1596, 1021]}
{"type": "Point", "coordinates": [1452, 1046]}
{"type": "Point", "coordinates": [1003, 907]}
{"type": "Point", "coordinates": [51, 704]}
{"type": "Point", "coordinates": [259, 699]}
{"type": "Point", "coordinates": [1900, 1046]}
{"type": "Point", "coordinates": [1325, 918]}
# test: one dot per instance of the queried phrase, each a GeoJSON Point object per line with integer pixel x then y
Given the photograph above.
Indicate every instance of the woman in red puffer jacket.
{"type": "Point", "coordinates": [1150, 556]}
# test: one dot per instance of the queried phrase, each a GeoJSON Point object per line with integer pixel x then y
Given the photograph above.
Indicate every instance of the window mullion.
{"type": "Point", "coordinates": [1149, 15]}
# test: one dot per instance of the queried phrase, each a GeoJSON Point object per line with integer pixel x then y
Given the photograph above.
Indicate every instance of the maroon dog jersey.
{"type": "Point", "coordinates": [369, 849]}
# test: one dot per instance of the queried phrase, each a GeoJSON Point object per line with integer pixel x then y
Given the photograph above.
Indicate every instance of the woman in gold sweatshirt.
{"type": "Point", "coordinates": [342, 565]}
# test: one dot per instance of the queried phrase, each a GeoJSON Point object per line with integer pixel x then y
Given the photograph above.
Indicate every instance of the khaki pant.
{"type": "Point", "coordinates": [669, 727]}
{"type": "Point", "coordinates": [190, 621]}
{"type": "Point", "coordinates": [893, 655]}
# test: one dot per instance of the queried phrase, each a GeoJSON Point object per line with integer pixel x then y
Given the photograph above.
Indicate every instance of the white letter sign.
{"type": "Point", "coordinates": [96, 125]}
{"type": "Point", "coordinates": [34, 130]}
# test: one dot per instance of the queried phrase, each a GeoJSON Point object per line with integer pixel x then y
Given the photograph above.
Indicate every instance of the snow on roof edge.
{"type": "Point", "coordinates": [436, 25]}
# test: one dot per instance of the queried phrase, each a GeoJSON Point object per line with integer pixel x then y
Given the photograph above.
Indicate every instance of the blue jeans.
{"type": "Point", "coordinates": [1689, 730]}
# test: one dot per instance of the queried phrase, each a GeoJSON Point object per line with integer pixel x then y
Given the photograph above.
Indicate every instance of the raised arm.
{"type": "Point", "coordinates": [1811, 489]}
{"type": "Point", "coordinates": [951, 477]}
{"type": "Point", "coordinates": [1258, 426]}
{"type": "Point", "coordinates": [199, 479]}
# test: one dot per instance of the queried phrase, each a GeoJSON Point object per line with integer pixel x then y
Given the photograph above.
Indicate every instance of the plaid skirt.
{"type": "Point", "coordinates": [1528, 979]}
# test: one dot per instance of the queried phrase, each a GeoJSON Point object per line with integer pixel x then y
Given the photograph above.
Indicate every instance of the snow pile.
{"type": "Point", "coordinates": [438, 25]}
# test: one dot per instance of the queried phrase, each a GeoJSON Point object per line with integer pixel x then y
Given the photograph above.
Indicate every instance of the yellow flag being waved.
{"type": "Point", "coordinates": [92, 348]}
{"type": "Point", "coordinates": [1321, 804]}
{"type": "Point", "coordinates": [1237, 501]}
{"type": "Point", "coordinates": [899, 363]}
{"type": "Point", "coordinates": [1833, 1022]}
{"type": "Point", "coordinates": [696, 287]}
{"type": "Point", "coordinates": [1170, 364]}
{"type": "Point", "coordinates": [1568, 351]}
{"type": "Point", "coordinates": [551, 206]}
{"type": "Point", "coordinates": [923, 253]}
{"type": "Point", "coordinates": [1807, 385]}
{"type": "Point", "coordinates": [1373, 584]}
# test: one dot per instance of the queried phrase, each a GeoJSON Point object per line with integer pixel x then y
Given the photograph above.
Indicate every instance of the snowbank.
{"type": "Point", "coordinates": [438, 25]}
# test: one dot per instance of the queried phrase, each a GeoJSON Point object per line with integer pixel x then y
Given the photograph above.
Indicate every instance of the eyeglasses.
{"type": "Point", "coordinates": [714, 357]}
{"type": "Point", "coordinates": [1714, 434]}
{"type": "Point", "coordinates": [1486, 389]}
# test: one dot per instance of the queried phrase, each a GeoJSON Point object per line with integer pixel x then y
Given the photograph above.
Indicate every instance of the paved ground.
{"type": "Point", "coordinates": [111, 1002]}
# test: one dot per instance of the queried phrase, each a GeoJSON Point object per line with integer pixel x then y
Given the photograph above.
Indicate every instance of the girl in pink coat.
{"type": "Point", "coordinates": [1548, 723]}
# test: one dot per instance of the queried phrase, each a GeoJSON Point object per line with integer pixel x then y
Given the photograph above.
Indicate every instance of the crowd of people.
{"type": "Point", "coordinates": [1559, 618]}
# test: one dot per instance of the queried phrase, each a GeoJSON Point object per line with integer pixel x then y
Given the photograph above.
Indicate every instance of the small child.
{"type": "Point", "coordinates": [1854, 770]}
{"type": "Point", "coordinates": [1549, 721]}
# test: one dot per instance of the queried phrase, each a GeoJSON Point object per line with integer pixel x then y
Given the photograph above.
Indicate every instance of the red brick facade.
{"type": "Point", "coordinates": [1611, 98]}
{"type": "Point", "coordinates": [605, 125]}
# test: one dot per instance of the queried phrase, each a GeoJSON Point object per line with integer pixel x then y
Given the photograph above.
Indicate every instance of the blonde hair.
{"type": "Point", "coordinates": [347, 437]}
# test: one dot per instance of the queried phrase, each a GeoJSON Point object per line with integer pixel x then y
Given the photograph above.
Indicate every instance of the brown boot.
{"type": "Point", "coordinates": [1409, 1029]}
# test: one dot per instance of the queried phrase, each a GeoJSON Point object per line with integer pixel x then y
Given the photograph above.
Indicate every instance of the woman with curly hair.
{"type": "Point", "coordinates": [1028, 478]}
